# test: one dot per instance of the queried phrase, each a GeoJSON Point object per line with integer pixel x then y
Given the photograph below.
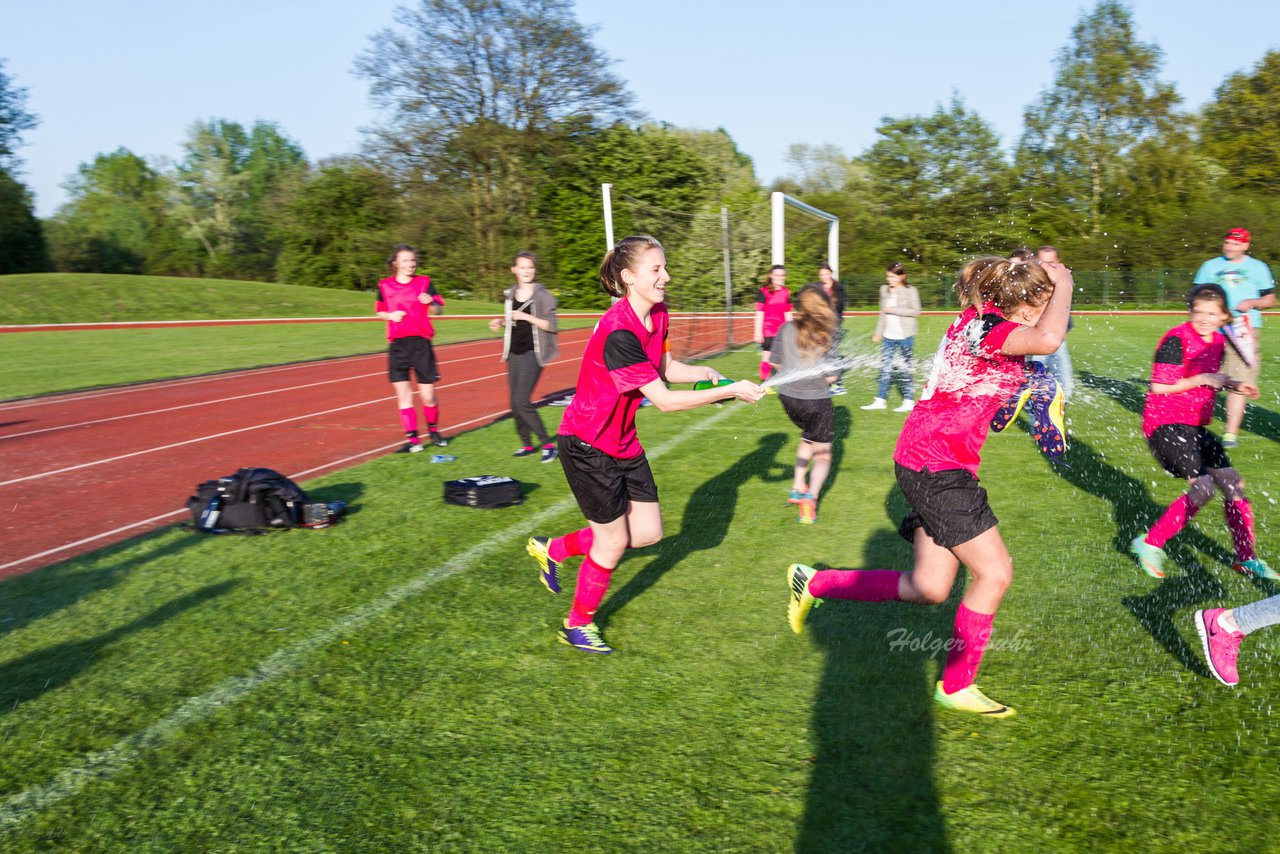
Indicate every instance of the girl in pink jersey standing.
{"type": "Point", "coordinates": [1010, 311]}
{"type": "Point", "coordinates": [627, 359]}
{"type": "Point", "coordinates": [405, 302]}
{"type": "Point", "coordinates": [773, 308]}
{"type": "Point", "coordinates": [1184, 382]}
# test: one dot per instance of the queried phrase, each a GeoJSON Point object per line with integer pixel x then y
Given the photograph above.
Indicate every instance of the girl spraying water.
{"type": "Point", "coordinates": [1010, 311]}
{"type": "Point", "coordinates": [799, 351]}
{"type": "Point", "coordinates": [627, 359]}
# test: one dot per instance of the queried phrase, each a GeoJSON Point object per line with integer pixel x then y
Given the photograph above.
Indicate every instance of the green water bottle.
{"type": "Point", "coordinates": [705, 384]}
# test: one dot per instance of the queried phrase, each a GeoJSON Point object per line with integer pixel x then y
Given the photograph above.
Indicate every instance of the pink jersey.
{"type": "Point", "coordinates": [775, 305]}
{"type": "Point", "coordinates": [1183, 353]}
{"type": "Point", "coordinates": [970, 380]}
{"type": "Point", "coordinates": [621, 357]}
{"type": "Point", "coordinates": [397, 296]}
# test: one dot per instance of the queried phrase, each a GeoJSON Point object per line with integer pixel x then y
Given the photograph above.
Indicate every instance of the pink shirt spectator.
{"type": "Point", "coordinates": [621, 357]}
{"type": "Point", "coordinates": [971, 379]}
{"type": "Point", "coordinates": [775, 304]}
{"type": "Point", "coordinates": [1183, 353]}
{"type": "Point", "coordinates": [394, 296]}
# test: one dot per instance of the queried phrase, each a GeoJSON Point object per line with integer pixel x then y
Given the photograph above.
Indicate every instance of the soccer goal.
{"type": "Point", "coordinates": [778, 204]}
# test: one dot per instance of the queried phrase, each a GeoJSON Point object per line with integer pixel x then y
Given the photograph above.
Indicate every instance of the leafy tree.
{"type": "Point", "coordinates": [1106, 101]}
{"type": "Point", "coordinates": [22, 245]}
{"type": "Point", "coordinates": [14, 120]}
{"type": "Point", "coordinates": [116, 220]}
{"type": "Point", "coordinates": [335, 231]}
{"type": "Point", "coordinates": [1240, 127]}
{"type": "Point", "coordinates": [480, 93]}
{"type": "Point", "coordinates": [817, 168]}
{"type": "Point", "coordinates": [939, 188]}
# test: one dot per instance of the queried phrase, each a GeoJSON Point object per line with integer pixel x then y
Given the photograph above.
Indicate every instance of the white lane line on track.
{"type": "Point", "coordinates": [295, 476]}
{"type": "Point", "coordinates": [238, 430]}
{"type": "Point", "coordinates": [225, 375]}
{"type": "Point", "coordinates": [105, 764]}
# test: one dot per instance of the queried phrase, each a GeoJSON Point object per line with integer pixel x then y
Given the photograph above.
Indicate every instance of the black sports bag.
{"type": "Point", "coordinates": [488, 490]}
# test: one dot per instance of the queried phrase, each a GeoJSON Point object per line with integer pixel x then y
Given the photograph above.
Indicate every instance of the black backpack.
{"type": "Point", "coordinates": [253, 499]}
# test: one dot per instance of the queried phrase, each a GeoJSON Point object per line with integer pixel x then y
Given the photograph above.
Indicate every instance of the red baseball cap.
{"type": "Point", "coordinates": [1239, 235]}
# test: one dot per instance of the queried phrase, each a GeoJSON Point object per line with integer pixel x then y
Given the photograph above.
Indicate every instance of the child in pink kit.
{"type": "Point", "coordinates": [405, 302]}
{"type": "Point", "coordinates": [1010, 311]}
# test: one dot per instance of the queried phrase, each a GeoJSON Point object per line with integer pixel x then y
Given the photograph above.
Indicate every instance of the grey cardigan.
{"type": "Point", "coordinates": [546, 345]}
{"type": "Point", "coordinates": [908, 308]}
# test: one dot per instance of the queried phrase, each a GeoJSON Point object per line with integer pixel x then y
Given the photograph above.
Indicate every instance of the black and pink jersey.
{"type": "Point", "coordinates": [398, 296]}
{"type": "Point", "coordinates": [621, 357]}
{"type": "Point", "coordinates": [1183, 353]}
{"type": "Point", "coordinates": [775, 304]}
{"type": "Point", "coordinates": [970, 380]}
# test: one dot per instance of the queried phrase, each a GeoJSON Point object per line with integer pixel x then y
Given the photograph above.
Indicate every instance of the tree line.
{"type": "Point", "coordinates": [501, 118]}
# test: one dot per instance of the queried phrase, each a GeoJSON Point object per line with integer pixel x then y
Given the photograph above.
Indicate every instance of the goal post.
{"type": "Point", "coordinates": [778, 203]}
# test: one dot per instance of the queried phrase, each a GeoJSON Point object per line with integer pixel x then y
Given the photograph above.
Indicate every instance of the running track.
{"type": "Point", "coordinates": [80, 471]}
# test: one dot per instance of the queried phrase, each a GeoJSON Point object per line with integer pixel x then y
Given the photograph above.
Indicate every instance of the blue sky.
{"type": "Point", "coordinates": [137, 73]}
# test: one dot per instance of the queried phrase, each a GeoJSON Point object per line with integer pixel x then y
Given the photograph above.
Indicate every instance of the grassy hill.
{"type": "Point", "coordinates": [94, 298]}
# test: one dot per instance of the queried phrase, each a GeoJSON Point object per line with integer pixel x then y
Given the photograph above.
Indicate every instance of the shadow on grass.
{"type": "Point", "coordinates": [348, 493]}
{"type": "Point", "coordinates": [872, 784]}
{"type": "Point", "coordinates": [1132, 395]}
{"type": "Point", "coordinates": [843, 424]}
{"type": "Point", "coordinates": [1187, 583]}
{"type": "Point", "coordinates": [707, 516]}
{"type": "Point", "coordinates": [26, 678]}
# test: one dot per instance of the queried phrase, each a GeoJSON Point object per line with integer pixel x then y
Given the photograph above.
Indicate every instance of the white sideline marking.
{"type": "Point", "coordinates": [105, 764]}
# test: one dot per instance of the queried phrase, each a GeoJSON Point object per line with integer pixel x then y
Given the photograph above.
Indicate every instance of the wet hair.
{"type": "Point", "coordinates": [1004, 283]}
{"type": "Point", "coordinates": [623, 256]}
{"type": "Point", "coordinates": [898, 270]}
{"type": "Point", "coordinates": [396, 250]}
{"type": "Point", "coordinates": [1208, 293]}
{"type": "Point", "coordinates": [815, 321]}
{"type": "Point", "coordinates": [529, 255]}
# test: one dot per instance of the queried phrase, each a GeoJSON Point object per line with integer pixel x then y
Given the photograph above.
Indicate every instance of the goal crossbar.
{"type": "Point", "coordinates": [778, 203]}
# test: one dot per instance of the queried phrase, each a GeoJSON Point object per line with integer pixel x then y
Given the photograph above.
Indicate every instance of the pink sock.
{"type": "Point", "coordinates": [593, 582]}
{"type": "Point", "coordinates": [571, 544]}
{"type": "Point", "coordinates": [1175, 516]}
{"type": "Point", "coordinates": [969, 639]}
{"type": "Point", "coordinates": [1240, 520]}
{"type": "Point", "coordinates": [765, 370]}
{"type": "Point", "coordinates": [865, 585]}
{"type": "Point", "coordinates": [432, 415]}
{"type": "Point", "coordinates": [409, 422]}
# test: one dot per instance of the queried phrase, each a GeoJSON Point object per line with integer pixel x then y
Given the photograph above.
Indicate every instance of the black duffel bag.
{"type": "Point", "coordinates": [487, 490]}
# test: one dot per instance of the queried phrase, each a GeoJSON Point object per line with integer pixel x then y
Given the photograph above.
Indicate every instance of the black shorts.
{"type": "Point", "coordinates": [766, 345]}
{"type": "Point", "coordinates": [1186, 451]}
{"type": "Point", "coordinates": [950, 505]}
{"type": "Point", "coordinates": [412, 352]}
{"type": "Point", "coordinates": [605, 486]}
{"type": "Point", "coordinates": [815, 418]}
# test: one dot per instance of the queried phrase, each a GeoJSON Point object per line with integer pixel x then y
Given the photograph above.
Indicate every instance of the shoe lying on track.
{"type": "Point", "coordinates": [586, 638]}
{"type": "Point", "coordinates": [548, 569]}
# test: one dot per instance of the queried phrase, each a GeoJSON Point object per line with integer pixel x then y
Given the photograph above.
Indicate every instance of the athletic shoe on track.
{"type": "Point", "coordinates": [411, 448]}
{"type": "Point", "coordinates": [586, 638]}
{"type": "Point", "coordinates": [802, 601]}
{"type": "Point", "coordinates": [798, 495]}
{"type": "Point", "coordinates": [1256, 568]}
{"type": "Point", "coordinates": [1150, 558]}
{"type": "Point", "coordinates": [808, 512]}
{"type": "Point", "coordinates": [971, 699]}
{"type": "Point", "coordinates": [436, 439]}
{"type": "Point", "coordinates": [1220, 646]}
{"type": "Point", "coordinates": [548, 569]}
{"type": "Point", "coordinates": [527, 450]}
{"type": "Point", "coordinates": [549, 453]}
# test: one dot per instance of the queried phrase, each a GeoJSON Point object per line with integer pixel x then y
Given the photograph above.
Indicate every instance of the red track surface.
{"type": "Point", "coordinates": [79, 471]}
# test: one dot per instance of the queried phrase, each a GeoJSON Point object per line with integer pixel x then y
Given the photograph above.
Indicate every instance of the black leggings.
{"type": "Point", "coordinates": [523, 371]}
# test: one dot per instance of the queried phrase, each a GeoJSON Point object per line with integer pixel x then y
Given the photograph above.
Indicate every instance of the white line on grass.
{"type": "Point", "coordinates": [105, 764]}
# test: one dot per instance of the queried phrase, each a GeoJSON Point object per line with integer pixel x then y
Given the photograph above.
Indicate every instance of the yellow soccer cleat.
{"type": "Point", "coordinates": [802, 601]}
{"type": "Point", "coordinates": [971, 699]}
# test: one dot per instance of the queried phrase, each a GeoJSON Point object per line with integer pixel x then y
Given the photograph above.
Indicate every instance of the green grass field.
{"type": "Point", "coordinates": [394, 683]}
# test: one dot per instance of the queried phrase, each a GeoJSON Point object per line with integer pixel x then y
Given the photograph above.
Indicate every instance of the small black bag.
{"type": "Point", "coordinates": [255, 500]}
{"type": "Point", "coordinates": [488, 490]}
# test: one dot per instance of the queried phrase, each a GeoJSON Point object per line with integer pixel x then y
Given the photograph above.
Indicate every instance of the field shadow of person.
{"type": "Point", "coordinates": [30, 676]}
{"type": "Point", "coordinates": [707, 516]}
{"type": "Point", "coordinates": [1187, 582]}
{"type": "Point", "coordinates": [872, 781]}
{"type": "Point", "coordinates": [1132, 395]}
{"type": "Point", "coordinates": [843, 425]}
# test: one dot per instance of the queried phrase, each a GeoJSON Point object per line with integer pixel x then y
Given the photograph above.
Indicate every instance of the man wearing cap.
{"type": "Point", "coordinates": [1250, 287]}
